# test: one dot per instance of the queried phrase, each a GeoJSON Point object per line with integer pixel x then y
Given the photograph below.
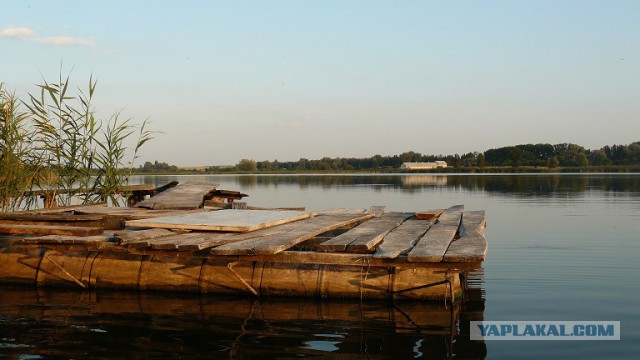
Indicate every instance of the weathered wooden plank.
{"type": "Point", "coordinates": [432, 246]}
{"type": "Point", "coordinates": [402, 239]}
{"type": "Point", "coordinates": [184, 196]}
{"type": "Point", "coordinates": [93, 223]}
{"type": "Point", "coordinates": [205, 241]}
{"type": "Point", "coordinates": [210, 239]}
{"type": "Point", "coordinates": [365, 236]}
{"type": "Point", "coordinates": [281, 241]}
{"type": "Point", "coordinates": [369, 243]}
{"type": "Point", "coordinates": [470, 248]}
{"type": "Point", "coordinates": [190, 241]}
{"type": "Point", "coordinates": [224, 220]}
{"type": "Point", "coordinates": [147, 241]}
{"type": "Point", "coordinates": [127, 236]}
{"type": "Point", "coordinates": [54, 219]}
{"type": "Point", "coordinates": [64, 239]}
{"type": "Point", "coordinates": [171, 242]}
{"type": "Point", "coordinates": [311, 257]}
{"type": "Point", "coordinates": [473, 222]}
{"type": "Point", "coordinates": [50, 230]}
{"type": "Point", "coordinates": [64, 209]}
{"type": "Point", "coordinates": [472, 245]}
{"type": "Point", "coordinates": [64, 217]}
{"type": "Point", "coordinates": [134, 213]}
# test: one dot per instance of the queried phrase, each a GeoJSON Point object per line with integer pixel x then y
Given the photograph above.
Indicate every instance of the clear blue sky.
{"type": "Point", "coordinates": [226, 80]}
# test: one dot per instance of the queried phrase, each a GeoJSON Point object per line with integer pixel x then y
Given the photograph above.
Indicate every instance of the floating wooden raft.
{"type": "Point", "coordinates": [336, 253]}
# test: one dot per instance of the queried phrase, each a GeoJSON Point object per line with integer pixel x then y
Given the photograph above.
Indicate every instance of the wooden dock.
{"type": "Point", "coordinates": [175, 243]}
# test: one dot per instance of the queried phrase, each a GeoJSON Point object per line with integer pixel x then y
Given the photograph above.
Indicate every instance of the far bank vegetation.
{"type": "Point", "coordinates": [528, 157]}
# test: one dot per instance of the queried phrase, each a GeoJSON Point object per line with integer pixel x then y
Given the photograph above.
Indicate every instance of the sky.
{"type": "Point", "coordinates": [266, 80]}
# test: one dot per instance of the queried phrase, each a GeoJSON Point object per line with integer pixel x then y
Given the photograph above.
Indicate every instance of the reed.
{"type": "Point", "coordinates": [66, 128]}
{"type": "Point", "coordinates": [112, 174]}
{"type": "Point", "coordinates": [67, 149]}
{"type": "Point", "coordinates": [19, 163]}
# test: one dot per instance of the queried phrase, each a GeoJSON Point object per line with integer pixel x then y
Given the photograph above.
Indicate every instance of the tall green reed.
{"type": "Point", "coordinates": [110, 157]}
{"type": "Point", "coordinates": [67, 150]}
{"type": "Point", "coordinates": [19, 164]}
{"type": "Point", "coordinates": [66, 128]}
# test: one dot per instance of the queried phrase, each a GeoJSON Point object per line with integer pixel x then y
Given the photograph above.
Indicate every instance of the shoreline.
{"type": "Point", "coordinates": [498, 170]}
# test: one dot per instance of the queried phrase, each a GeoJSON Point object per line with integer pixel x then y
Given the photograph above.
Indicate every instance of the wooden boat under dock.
{"type": "Point", "coordinates": [189, 247]}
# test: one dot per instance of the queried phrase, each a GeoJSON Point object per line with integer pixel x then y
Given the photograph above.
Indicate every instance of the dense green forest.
{"type": "Point", "coordinates": [157, 167]}
{"type": "Point", "coordinates": [527, 155]}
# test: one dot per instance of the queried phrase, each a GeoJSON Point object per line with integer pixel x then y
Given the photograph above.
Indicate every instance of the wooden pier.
{"type": "Point", "coordinates": [173, 242]}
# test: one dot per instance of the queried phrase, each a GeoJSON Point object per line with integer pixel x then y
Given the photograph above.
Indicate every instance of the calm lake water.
{"type": "Point", "coordinates": [561, 247]}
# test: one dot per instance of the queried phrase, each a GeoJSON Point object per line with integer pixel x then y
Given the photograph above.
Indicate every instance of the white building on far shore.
{"type": "Point", "coordinates": [423, 165]}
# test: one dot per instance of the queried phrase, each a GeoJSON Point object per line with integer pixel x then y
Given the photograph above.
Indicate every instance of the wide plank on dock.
{"type": "Point", "coordinates": [203, 242]}
{"type": "Point", "coordinates": [49, 217]}
{"type": "Point", "coordinates": [184, 196]}
{"type": "Point", "coordinates": [206, 240]}
{"type": "Point", "coordinates": [402, 239]}
{"type": "Point", "coordinates": [224, 220]}
{"type": "Point", "coordinates": [432, 246]}
{"type": "Point", "coordinates": [132, 213]}
{"type": "Point", "coordinates": [295, 234]}
{"type": "Point", "coordinates": [366, 236]}
{"type": "Point", "coordinates": [192, 241]}
{"type": "Point", "coordinates": [472, 245]}
{"type": "Point", "coordinates": [130, 236]}
{"type": "Point", "coordinates": [64, 240]}
{"type": "Point", "coordinates": [92, 223]}
{"type": "Point", "coordinates": [50, 230]}
{"type": "Point", "coordinates": [155, 241]}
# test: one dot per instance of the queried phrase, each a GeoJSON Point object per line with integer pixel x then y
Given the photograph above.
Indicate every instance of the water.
{"type": "Point", "coordinates": [561, 247]}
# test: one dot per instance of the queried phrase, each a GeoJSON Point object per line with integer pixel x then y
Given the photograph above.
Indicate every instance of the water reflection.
{"type": "Point", "coordinates": [68, 324]}
{"type": "Point", "coordinates": [515, 184]}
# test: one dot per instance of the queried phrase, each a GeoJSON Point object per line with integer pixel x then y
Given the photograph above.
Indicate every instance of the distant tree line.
{"type": "Point", "coordinates": [157, 167]}
{"type": "Point", "coordinates": [340, 163]}
{"type": "Point", "coordinates": [568, 156]}
{"type": "Point", "coordinates": [527, 155]}
{"type": "Point", "coordinates": [564, 155]}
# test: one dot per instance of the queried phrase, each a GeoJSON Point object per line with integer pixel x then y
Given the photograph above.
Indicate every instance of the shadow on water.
{"type": "Point", "coordinates": [51, 323]}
